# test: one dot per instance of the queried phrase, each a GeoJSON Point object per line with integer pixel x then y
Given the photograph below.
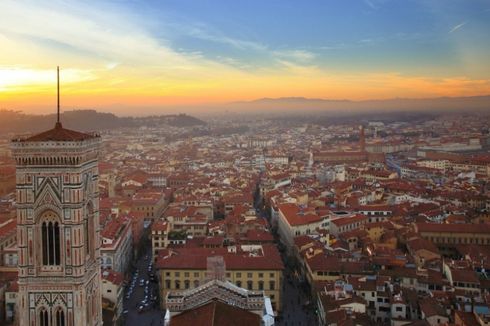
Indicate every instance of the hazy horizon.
{"type": "Point", "coordinates": [287, 105]}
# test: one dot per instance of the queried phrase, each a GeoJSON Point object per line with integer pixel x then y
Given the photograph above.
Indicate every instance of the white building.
{"type": "Point", "coordinates": [117, 246]}
{"type": "Point", "coordinates": [295, 220]}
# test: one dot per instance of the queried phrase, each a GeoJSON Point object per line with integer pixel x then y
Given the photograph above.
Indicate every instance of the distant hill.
{"type": "Point", "coordinates": [345, 107]}
{"type": "Point", "coordinates": [87, 120]}
{"type": "Point", "coordinates": [176, 120]}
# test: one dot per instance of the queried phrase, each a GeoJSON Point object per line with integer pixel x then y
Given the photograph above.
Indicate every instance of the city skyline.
{"type": "Point", "coordinates": [121, 55]}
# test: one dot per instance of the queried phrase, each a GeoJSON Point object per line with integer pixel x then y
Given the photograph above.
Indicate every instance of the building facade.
{"type": "Point", "coordinates": [117, 246]}
{"type": "Point", "coordinates": [58, 228]}
{"type": "Point", "coordinates": [254, 268]}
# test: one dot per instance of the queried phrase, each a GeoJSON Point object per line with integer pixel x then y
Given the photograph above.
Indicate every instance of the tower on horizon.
{"type": "Point", "coordinates": [362, 139]}
{"type": "Point", "coordinates": [58, 228]}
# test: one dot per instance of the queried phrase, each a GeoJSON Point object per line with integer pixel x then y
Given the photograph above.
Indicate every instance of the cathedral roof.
{"type": "Point", "coordinates": [58, 133]}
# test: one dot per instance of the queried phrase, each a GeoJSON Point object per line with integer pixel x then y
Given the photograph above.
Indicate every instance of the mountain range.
{"type": "Point", "coordinates": [345, 107]}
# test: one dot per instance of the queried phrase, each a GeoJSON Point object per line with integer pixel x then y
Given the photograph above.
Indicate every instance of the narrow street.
{"type": "Point", "coordinates": [296, 304]}
{"type": "Point", "coordinates": [295, 308]}
{"type": "Point", "coordinates": [135, 311]}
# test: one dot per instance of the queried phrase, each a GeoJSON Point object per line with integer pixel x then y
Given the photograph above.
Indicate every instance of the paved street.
{"type": "Point", "coordinates": [294, 311]}
{"type": "Point", "coordinates": [151, 315]}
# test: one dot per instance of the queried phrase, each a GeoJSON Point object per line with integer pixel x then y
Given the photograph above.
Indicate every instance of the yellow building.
{"type": "Point", "coordinates": [159, 236]}
{"type": "Point", "coordinates": [252, 267]}
{"type": "Point", "coordinates": [150, 202]}
{"type": "Point", "coordinates": [447, 236]}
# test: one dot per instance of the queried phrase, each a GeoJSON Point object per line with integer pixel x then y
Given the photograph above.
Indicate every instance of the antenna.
{"type": "Point", "coordinates": [58, 79]}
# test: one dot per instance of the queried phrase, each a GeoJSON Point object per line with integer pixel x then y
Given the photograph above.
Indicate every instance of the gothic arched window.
{"type": "Point", "coordinates": [60, 317]}
{"type": "Point", "coordinates": [88, 309]}
{"type": "Point", "coordinates": [86, 237]}
{"type": "Point", "coordinates": [50, 238]}
{"type": "Point", "coordinates": [89, 230]}
{"type": "Point", "coordinates": [43, 317]}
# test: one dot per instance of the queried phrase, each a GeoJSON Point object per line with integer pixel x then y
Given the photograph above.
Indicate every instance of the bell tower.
{"type": "Point", "coordinates": [58, 228]}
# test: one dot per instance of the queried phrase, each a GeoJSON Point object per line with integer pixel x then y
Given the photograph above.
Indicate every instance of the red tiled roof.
{"type": "Point", "coordinates": [214, 240]}
{"type": "Point", "coordinates": [58, 133]}
{"type": "Point", "coordinates": [196, 258]}
{"type": "Point", "coordinates": [216, 313]}
{"type": "Point", "coordinates": [456, 228]}
{"type": "Point", "coordinates": [330, 263]}
{"type": "Point", "coordinates": [258, 236]}
{"type": "Point", "coordinates": [159, 226]}
{"type": "Point", "coordinates": [358, 218]}
{"type": "Point", "coordinates": [303, 240]}
{"type": "Point", "coordinates": [9, 228]}
{"type": "Point", "coordinates": [421, 244]}
{"type": "Point", "coordinates": [295, 216]}
{"type": "Point", "coordinates": [464, 276]}
{"type": "Point", "coordinates": [113, 277]}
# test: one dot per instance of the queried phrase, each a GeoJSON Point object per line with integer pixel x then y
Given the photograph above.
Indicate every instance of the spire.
{"type": "Point", "coordinates": [362, 139]}
{"type": "Point", "coordinates": [58, 122]}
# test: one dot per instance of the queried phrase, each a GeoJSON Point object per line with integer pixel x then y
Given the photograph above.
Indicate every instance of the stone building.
{"type": "Point", "coordinates": [58, 228]}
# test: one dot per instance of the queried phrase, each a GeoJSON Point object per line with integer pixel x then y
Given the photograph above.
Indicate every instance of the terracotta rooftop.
{"type": "Point", "coordinates": [196, 258]}
{"type": "Point", "coordinates": [113, 277]}
{"type": "Point", "coordinates": [216, 313]}
{"type": "Point", "coordinates": [58, 133]}
{"type": "Point", "coordinates": [8, 228]}
{"type": "Point", "coordinates": [453, 228]}
{"type": "Point", "coordinates": [297, 216]}
{"type": "Point", "coordinates": [358, 218]}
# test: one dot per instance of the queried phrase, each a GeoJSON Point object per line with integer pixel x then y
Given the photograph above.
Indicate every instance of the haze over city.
{"type": "Point", "coordinates": [147, 57]}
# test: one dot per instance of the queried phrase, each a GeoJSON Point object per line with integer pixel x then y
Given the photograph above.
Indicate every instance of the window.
{"type": "Point", "coordinates": [60, 317]}
{"type": "Point", "coordinates": [187, 284]}
{"type": "Point", "coordinates": [186, 274]}
{"type": "Point", "coordinates": [272, 285]}
{"type": "Point", "coordinates": [89, 230]}
{"type": "Point", "coordinates": [196, 274]}
{"type": "Point", "coordinates": [238, 274]}
{"type": "Point", "coordinates": [50, 234]}
{"type": "Point", "coordinates": [261, 285]}
{"type": "Point", "coordinates": [177, 284]}
{"type": "Point", "coordinates": [86, 237]}
{"type": "Point", "coordinates": [261, 275]}
{"type": "Point", "coordinates": [249, 285]}
{"type": "Point", "coordinates": [399, 309]}
{"type": "Point", "coordinates": [43, 317]}
{"type": "Point", "coordinates": [249, 275]}
{"type": "Point", "coordinates": [239, 284]}
{"type": "Point", "coordinates": [177, 274]}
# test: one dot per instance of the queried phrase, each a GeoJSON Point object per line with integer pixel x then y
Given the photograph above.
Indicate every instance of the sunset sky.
{"type": "Point", "coordinates": [120, 56]}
